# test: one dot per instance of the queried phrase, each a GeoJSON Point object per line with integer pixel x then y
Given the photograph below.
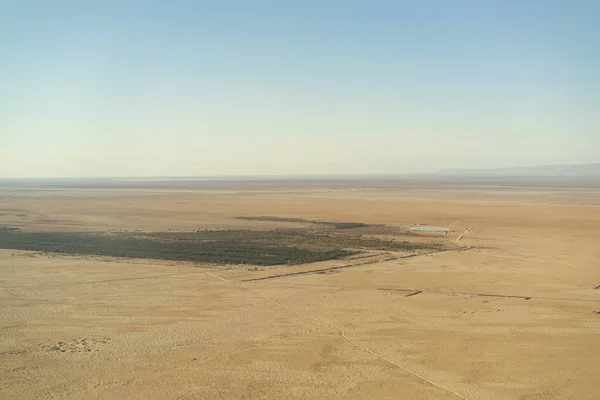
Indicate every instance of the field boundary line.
{"type": "Point", "coordinates": [217, 276]}
{"type": "Point", "coordinates": [370, 262]}
{"type": "Point", "coordinates": [589, 360]}
{"type": "Point", "coordinates": [352, 342]}
{"type": "Point", "coordinates": [343, 335]}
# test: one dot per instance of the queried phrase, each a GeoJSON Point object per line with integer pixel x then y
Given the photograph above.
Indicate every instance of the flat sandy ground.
{"type": "Point", "coordinates": [99, 328]}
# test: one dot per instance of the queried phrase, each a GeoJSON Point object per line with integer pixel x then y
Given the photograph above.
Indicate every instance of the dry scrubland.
{"type": "Point", "coordinates": [511, 313]}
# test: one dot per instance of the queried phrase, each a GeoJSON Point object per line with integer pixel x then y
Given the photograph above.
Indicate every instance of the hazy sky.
{"type": "Point", "coordinates": [133, 88]}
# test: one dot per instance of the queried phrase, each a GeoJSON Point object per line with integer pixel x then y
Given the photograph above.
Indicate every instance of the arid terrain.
{"type": "Point", "coordinates": [510, 309]}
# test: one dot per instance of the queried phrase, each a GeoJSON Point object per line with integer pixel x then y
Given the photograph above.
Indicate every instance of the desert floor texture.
{"type": "Point", "coordinates": [513, 313]}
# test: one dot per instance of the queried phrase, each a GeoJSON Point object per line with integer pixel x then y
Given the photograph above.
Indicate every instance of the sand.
{"type": "Point", "coordinates": [515, 315]}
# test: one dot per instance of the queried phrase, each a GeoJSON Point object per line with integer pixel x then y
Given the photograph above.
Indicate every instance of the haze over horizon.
{"type": "Point", "coordinates": [232, 88]}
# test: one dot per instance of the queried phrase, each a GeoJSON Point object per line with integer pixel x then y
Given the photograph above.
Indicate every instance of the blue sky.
{"type": "Point", "coordinates": [134, 88]}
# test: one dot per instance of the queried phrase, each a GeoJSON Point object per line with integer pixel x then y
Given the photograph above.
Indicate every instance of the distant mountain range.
{"type": "Point", "coordinates": [542, 170]}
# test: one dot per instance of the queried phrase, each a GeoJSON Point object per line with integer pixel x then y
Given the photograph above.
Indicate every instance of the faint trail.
{"type": "Point", "coordinates": [583, 365]}
{"type": "Point", "coordinates": [458, 240]}
{"type": "Point", "coordinates": [450, 226]}
{"type": "Point", "coordinates": [371, 262]}
{"type": "Point", "coordinates": [343, 335]}
{"type": "Point", "coordinates": [494, 295]}
{"type": "Point", "coordinates": [352, 342]}
{"type": "Point", "coordinates": [414, 291]}
{"type": "Point", "coordinates": [94, 282]}
{"type": "Point", "coordinates": [338, 290]}
{"type": "Point", "coordinates": [218, 277]}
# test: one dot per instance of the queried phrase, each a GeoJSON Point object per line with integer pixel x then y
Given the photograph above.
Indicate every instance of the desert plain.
{"type": "Point", "coordinates": [510, 311]}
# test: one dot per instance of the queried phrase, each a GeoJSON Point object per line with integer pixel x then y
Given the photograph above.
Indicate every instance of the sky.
{"type": "Point", "coordinates": [210, 88]}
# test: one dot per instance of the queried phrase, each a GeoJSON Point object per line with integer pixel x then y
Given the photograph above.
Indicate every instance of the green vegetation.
{"type": "Point", "coordinates": [345, 225]}
{"type": "Point", "coordinates": [225, 251]}
{"type": "Point", "coordinates": [336, 225]}
{"type": "Point", "coordinates": [303, 238]}
{"type": "Point", "coordinates": [8, 229]}
{"type": "Point", "coordinates": [258, 247]}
